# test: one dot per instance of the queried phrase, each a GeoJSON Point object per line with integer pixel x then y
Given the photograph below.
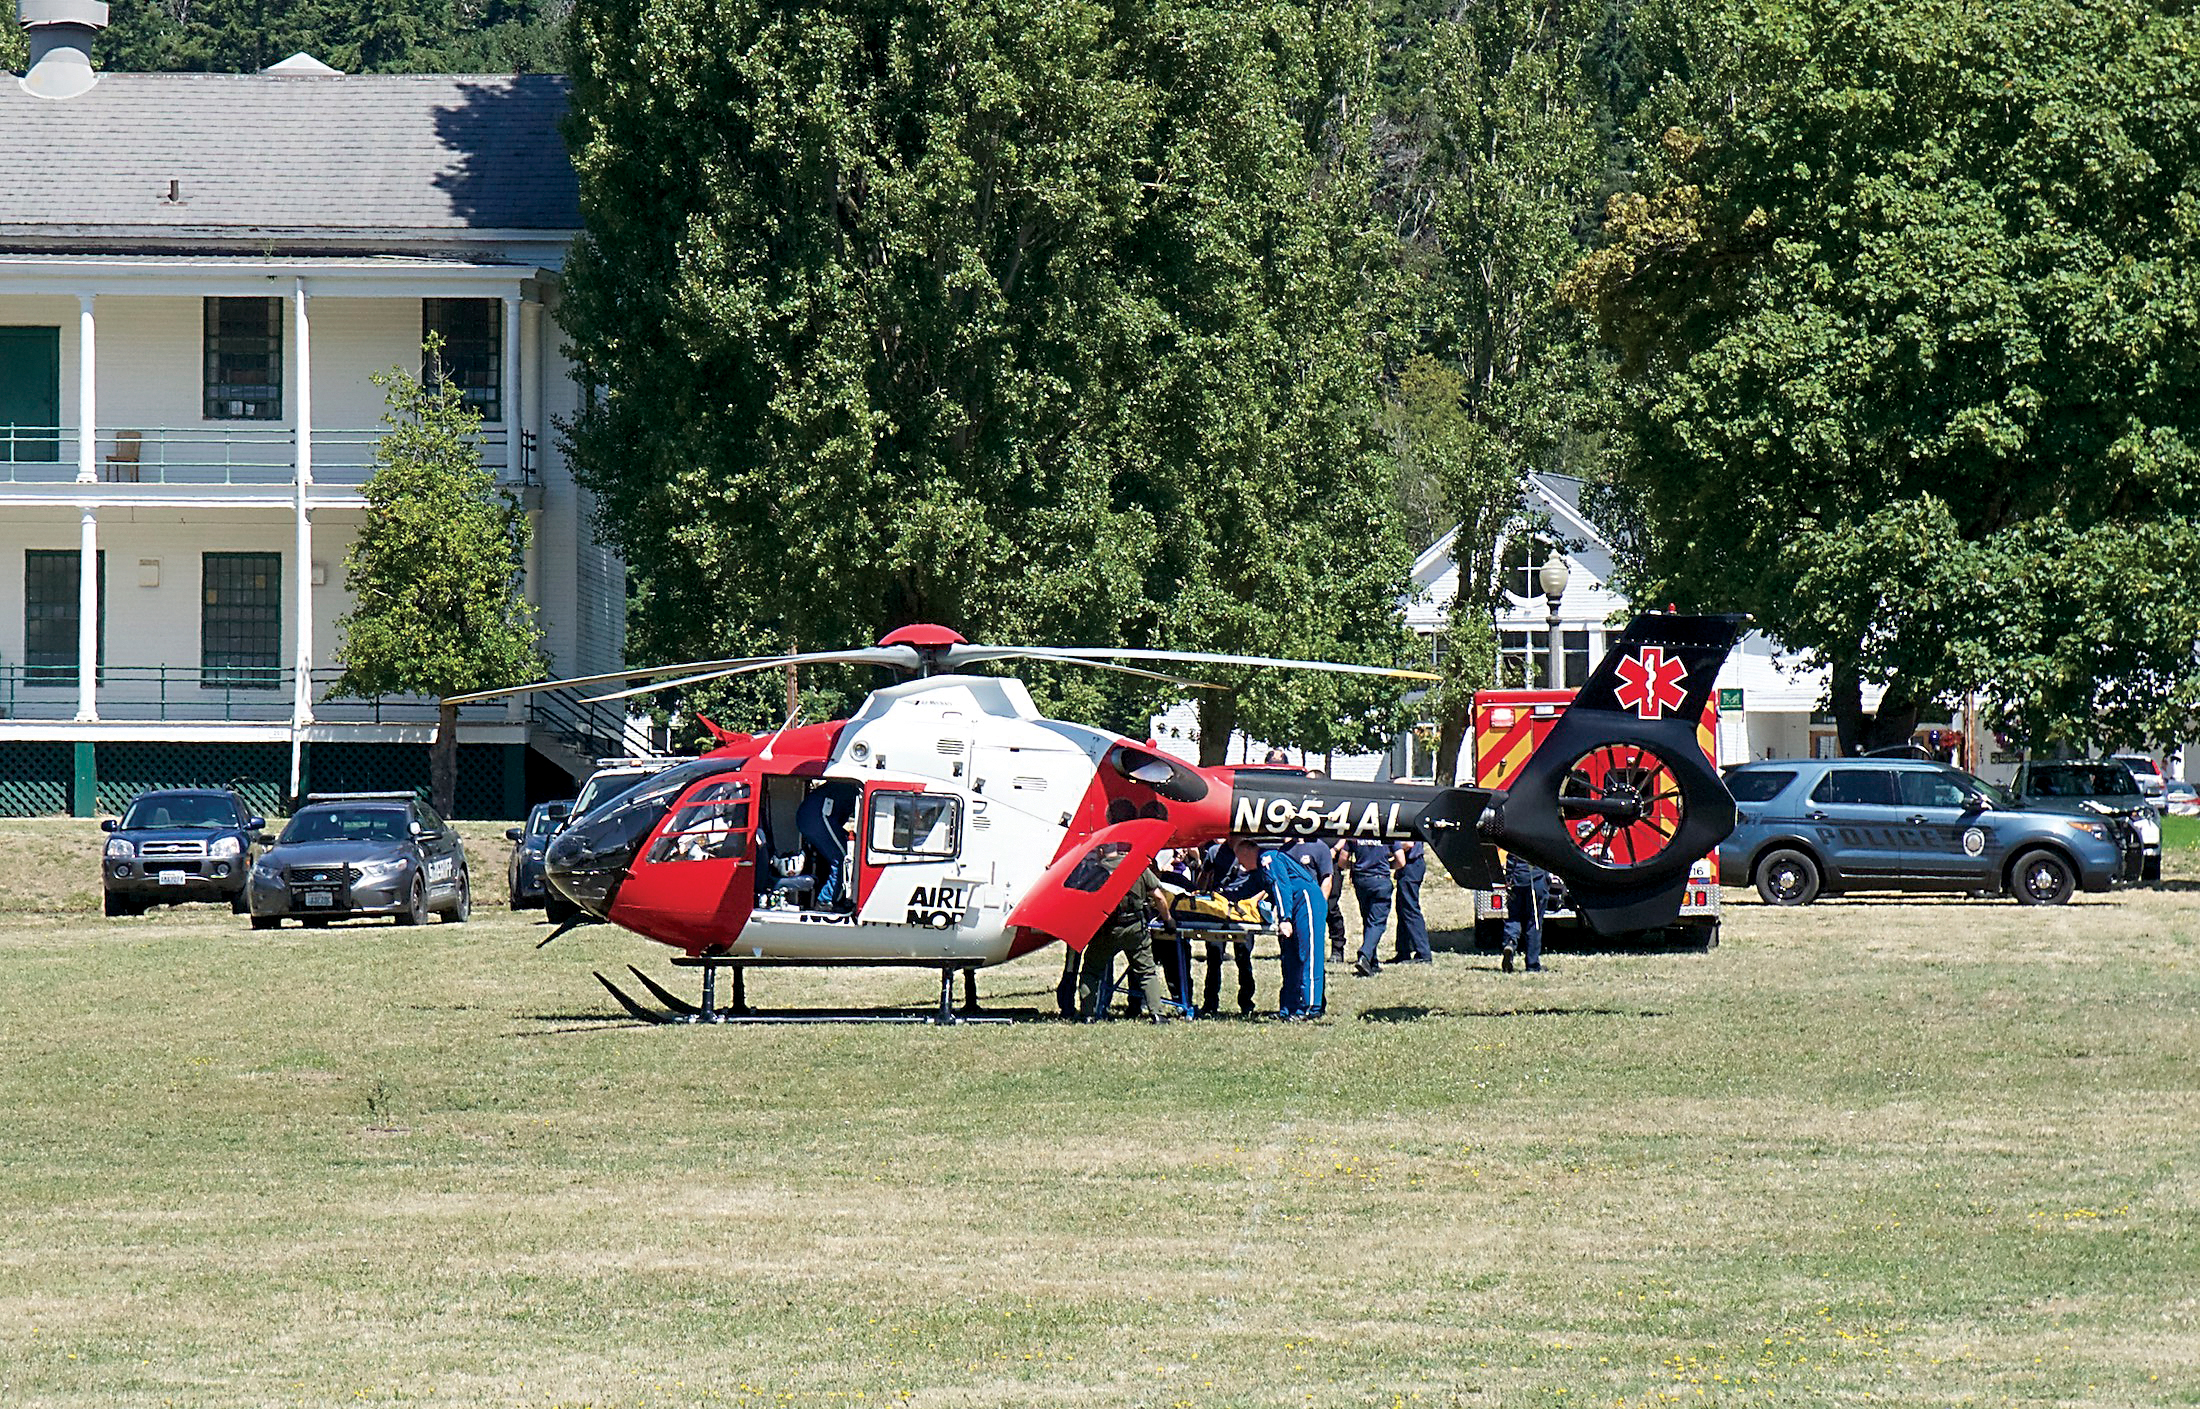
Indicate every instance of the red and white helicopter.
{"type": "Point", "coordinates": [949, 825]}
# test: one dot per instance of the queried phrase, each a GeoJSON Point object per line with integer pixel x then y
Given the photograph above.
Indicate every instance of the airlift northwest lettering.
{"type": "Point", "coordinates": [1280, 816]}
{"type": "Point", "coordinates": [937, 907]}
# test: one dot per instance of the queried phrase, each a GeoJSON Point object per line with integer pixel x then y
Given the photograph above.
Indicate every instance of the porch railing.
{"type": "Point", "coordinates": [185, 694]}
{"type": "Point", "coordinates": [224, 454]}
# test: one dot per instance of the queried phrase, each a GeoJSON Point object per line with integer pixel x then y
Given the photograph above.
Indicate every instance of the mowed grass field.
{"type": "Point", "coordinates": [1932, 1153]}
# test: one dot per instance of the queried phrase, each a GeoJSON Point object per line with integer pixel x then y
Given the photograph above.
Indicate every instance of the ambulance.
{"type": "Point", "coordinates": [1508, 725]}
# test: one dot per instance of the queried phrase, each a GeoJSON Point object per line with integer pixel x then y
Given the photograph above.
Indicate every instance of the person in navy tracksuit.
{"type": "Point", "coordinates": [1320, 862]}
{"type": "Point", "coordinates": [1298, 905]}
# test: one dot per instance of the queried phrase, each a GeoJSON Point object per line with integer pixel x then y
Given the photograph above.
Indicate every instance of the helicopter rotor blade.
{"type": "Point", "coordinates": [971, 655]}
{"type": "Point", "coordinates": [893, 657]}
{"type": "Point", "coordinates": [609, 677]}
{"type": "Point", "coordinates": [1096, 654]}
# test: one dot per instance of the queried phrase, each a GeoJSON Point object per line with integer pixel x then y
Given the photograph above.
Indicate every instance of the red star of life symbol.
{"type": "Point", "coordinates": [1650, 683]}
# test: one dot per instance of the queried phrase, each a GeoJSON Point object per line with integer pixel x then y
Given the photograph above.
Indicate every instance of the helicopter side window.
{"type": "Point", "coordinates": [713, 825]}
{"type": "Point", "coordinates": [1094, 868]}
{"type": "Point", "coordinates": [914, 827]}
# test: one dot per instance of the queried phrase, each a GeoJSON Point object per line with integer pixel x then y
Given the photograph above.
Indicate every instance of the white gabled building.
{"type": "Point", "coordinates": [199, 274]}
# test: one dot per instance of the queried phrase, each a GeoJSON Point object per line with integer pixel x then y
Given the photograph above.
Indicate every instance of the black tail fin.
{"type": "Point", "coordinates": [1619, 800]}
{"type": "Point", "coordinates": [1451, 824]}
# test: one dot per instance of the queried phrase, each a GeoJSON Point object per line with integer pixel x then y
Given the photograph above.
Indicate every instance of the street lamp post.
{"type": "Point", "coordinates": [1553, 578]}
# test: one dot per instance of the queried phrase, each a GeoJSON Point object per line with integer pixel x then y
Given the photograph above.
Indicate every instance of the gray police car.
{"type": "Point", "coordinates": [1811, 827]}
{"type": "Point", "coordinates": [347, 855]}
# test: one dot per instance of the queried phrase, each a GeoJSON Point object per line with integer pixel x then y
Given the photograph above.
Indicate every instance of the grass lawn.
{"type": "Point", "coordinates": [1931, 1153]}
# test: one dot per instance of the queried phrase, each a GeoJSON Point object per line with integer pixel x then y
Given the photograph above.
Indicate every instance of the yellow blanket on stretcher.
{"type": "Point", "coordinates": [1210, 905]}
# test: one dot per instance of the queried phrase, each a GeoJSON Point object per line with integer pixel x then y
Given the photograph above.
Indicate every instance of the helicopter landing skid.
{"type": "Point", "coordinates": [678, 1010]}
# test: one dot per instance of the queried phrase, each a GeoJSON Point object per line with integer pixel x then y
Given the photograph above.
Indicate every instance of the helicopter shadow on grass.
{"type": "Point", "coordinates": [1568, 939]}
{"type": "Point", "coordinates": [762, 1015]}
{"type": "Point", "coordinates": [1415, 1012]}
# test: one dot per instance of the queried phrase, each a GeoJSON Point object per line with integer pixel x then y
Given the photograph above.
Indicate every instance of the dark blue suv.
{"type": "Point", "coordinates": [178, 844]}
{"type": "Point", "coordinates": [1810, 827]}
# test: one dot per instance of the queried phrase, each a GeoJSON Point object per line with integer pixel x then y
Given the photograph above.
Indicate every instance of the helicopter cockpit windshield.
{"type": "Point", "coordinates": [588, 860]}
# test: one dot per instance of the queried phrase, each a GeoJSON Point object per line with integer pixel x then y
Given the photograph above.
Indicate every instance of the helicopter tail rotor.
{"type": "Point", "coordinates": [1619, 800]}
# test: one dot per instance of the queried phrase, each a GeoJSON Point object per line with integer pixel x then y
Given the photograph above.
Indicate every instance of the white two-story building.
{"type": "Point", "coordinates": [199, 275]}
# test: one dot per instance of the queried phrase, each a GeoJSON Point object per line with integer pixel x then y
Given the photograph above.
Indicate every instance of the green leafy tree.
{"type": "Point", "coordinates": [435, 571]}
{"type": "Point", "coordinates": [1909, 304]}
{"type": "Point", "coordinates": [1496, 152]}
{"type": "Point", "coordinates": [389, 36]}
{"type": "Point", "coordinates": [1046, 321]}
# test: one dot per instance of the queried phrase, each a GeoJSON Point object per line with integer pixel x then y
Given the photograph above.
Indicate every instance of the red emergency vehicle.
{"type": "Point", "coordinates": [1508, 727]}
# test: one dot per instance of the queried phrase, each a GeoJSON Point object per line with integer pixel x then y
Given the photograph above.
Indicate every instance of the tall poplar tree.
{"type": "Point", "coordinates": [1496, 144]}
{"type": "Point", "coordinates": [1046, 321]}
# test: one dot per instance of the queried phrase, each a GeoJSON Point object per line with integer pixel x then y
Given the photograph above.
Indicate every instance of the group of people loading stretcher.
{"type": "Point", "coordinates": [1229, 893]}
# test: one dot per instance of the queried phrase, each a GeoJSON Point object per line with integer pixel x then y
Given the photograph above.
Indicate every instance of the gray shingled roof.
{"type": "Point", "coordinates": [436, 153]}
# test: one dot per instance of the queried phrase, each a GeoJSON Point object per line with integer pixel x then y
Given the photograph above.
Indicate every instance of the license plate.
{"type": "Point", "coordinates": [171, 878]}
{"type": "Point", "coordinates": [318, 899]}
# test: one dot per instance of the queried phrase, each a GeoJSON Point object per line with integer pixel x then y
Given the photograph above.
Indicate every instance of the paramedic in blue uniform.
{"type": "Point", "coordinates": [1371, 883]}
{"type": "Point", "coordinates": [1527, 896]}
{"type": "Point", "coordinates": [1321, 862]}
{"type": "Point", "coordinates": [1291, 889]}
{"type": "Point", "coordinates": [1231, 881]}
{"type": "Point", "coordinates": [1409, 866]}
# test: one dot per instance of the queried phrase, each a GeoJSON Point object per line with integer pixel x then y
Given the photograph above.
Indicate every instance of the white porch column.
{"type": "Point", "coordinates": [301, 708]}
{"type": "Point", "coordinates": [87, 616]}
{"type": "Point", "coordinates": [509, 395]}
{"type": "Point", "coordinates": [87, 395]}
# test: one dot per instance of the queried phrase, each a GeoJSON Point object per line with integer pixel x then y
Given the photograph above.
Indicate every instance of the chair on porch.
{"type": "Point", "coordinates": [122, 464]}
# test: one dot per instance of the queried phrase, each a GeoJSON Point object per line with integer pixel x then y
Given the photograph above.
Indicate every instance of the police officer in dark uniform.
{"type": "Point", "coordinates": [1125, 933]}
{"type": "Point", "coordinates": [1233, 882]}
{"type": "Point", "coordinates": [1371, 884]}
{"type": "Point", "coordinates": [1409, 867]}
{"type": "Point", "coordinates": [1527, 896]}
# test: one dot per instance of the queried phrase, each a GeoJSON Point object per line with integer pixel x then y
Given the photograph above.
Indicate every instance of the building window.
{"type": "Point", "coordinates": [241, 621]}
{"type": "Point", "coordinates": [50, 616]}
{"type": "Point", "coordinates": [1522, 564]}
{"type": "Point", "coordinates": [1524, 658]}
{"type": "Point", "coordinates": [473, 350]}
{"type": "Point", "coordinates": [244, 359]}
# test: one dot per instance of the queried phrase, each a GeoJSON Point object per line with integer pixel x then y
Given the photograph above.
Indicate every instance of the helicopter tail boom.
{"type": "Point", "coordinates": [1618, 801]}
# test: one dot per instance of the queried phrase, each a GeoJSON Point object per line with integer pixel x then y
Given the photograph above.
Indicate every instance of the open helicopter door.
{"type": "Point", "coordinates": [1075, 895]}
{"type": "Point", "coordinates": [905, 852]}
{"type": "Point", "coordinates": [695, 880]}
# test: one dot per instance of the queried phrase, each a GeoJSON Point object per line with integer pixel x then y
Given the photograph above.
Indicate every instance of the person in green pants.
{"type": "Point", "coordinates": [1125, 933]}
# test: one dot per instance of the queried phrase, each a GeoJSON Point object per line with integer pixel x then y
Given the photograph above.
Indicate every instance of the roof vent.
{"type": "Point", "coordinates": [302, 65]}
{"type": "Point", "coordinates": [60, 33]}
